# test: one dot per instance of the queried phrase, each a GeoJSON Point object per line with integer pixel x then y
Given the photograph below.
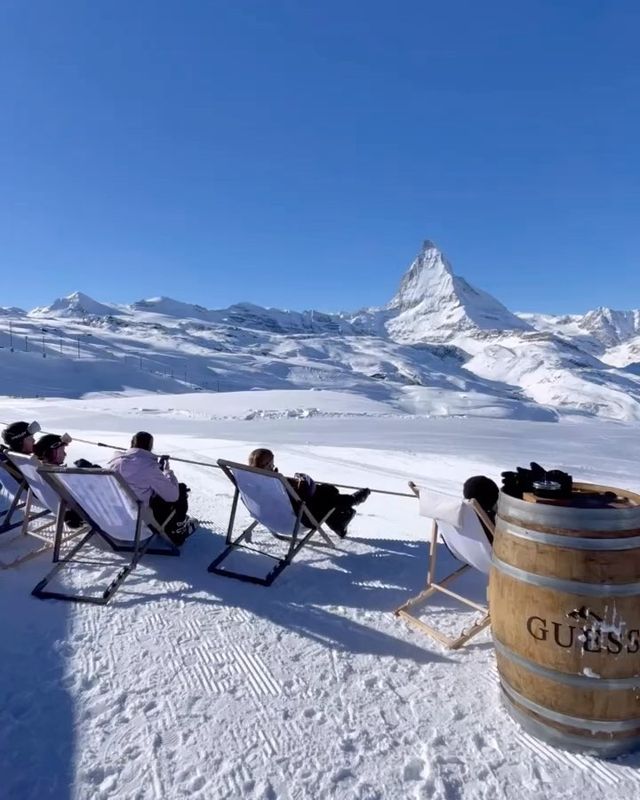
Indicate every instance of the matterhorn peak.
{"type": "Point", "coordinates": [430, 274]}
{"type": "Point", "coordinates": [432, 302]}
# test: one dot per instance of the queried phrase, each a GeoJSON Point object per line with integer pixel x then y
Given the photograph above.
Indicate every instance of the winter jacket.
{"type": "Point", "coordinates": [141, 471]}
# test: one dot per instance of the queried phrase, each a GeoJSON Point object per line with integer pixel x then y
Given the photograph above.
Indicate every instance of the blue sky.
{"type": "Point", "coordinates": [295, 153]}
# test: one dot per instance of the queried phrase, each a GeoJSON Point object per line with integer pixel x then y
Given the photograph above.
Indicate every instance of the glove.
{"type": "Point", "coordinates": [564, 479]}
{"type": "Point", "coordinates": [511, 484]}
{"type": "Point", "coordinates": [516, 483]}
{"type": "Point", "coordinates": [306, 484]}
{"type": "Point", "coordinates": [82, 463]}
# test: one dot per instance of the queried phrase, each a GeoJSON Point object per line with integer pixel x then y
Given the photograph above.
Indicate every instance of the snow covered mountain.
{"type": "Point", "coordinates": [433, 302]}
{"type": "Point", "coordinates": [606, 327]}
{"type": "Point", "coordinates": [612, 335]}
{"type": "Point", "coordinates": [439, 347]}
{"type": "Point", "coordinates": [75, 305]}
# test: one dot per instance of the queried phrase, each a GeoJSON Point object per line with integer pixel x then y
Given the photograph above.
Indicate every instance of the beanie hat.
{"type": "Point", "coordinates": [482, 489]}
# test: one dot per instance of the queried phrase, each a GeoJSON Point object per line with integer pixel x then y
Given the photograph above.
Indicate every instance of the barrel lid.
{"type": "Point", "coordinates": [619, 516]}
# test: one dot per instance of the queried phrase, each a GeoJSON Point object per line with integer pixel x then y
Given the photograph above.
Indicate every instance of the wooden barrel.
{"type": "Point", "coordinates": [564, 597]}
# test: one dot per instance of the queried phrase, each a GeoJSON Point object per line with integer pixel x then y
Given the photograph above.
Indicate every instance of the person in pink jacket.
{"type": "Point", "coordinates": [153, 482]}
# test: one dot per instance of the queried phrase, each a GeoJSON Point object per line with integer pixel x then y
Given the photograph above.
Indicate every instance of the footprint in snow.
{"type": "Point", "coordinates": [413, 769]}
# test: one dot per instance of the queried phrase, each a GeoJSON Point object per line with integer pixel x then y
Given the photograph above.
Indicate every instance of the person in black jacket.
{"type": "Point", "coordinates": [320, 498]}
{"type": "Point", "coordinates": [485, 492]}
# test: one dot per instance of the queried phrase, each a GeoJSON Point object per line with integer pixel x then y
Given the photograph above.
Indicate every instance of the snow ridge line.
{"type": "Point", "coordinates": [258, 674]}
{"type": "Point", "coordinates": [210, 663]}
{"type": "Point", "coordinates": [269, 747]}
{"type": "Point", "coordinates": [234, 780]}
{"type": "Point", "coordinates": [156, 783]}
{"type": "Point", "coordinates": [192, 628]}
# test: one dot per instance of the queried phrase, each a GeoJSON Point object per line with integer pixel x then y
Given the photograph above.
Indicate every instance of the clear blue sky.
{"type": "Point", "coordinates": [296, 152]}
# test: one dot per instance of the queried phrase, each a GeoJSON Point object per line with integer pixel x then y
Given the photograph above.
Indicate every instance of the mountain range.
{"type": "Point", "coordinates": [439, 347]}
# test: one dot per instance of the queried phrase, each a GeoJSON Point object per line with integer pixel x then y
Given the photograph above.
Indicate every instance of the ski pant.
{"type": "Point", "coordinates": [72, 519]}
{"type": "Point", "coordinates": [162, 509]}
{"type": "Point", "coordinates": [327, 497]}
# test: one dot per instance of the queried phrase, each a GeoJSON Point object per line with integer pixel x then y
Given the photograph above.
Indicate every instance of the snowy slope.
{"type": "Point", "coordinates": [439, 346]}
{"type": "Point", "coordinates": [190, 685]}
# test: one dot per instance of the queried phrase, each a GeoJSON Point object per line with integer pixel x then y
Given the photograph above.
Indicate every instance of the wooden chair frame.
{"type": "Point", "coordinates": [432, 588]}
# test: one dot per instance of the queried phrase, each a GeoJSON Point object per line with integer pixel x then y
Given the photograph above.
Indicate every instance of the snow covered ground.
{"type": "Point", "coordinates": [193, 685]}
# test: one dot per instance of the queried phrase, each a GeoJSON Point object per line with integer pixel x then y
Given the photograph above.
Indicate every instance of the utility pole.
{"type": "Point", "coordinates": [78, 337]}
{"type": "Point", "coordinates": [26, 344]}
{"type": "Point", "coordinates": [10, 337]}
{"type": "Point", "coordinates": [44, 354]}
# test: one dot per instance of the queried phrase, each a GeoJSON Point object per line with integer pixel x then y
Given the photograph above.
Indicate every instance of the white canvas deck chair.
{"type": "Point", "coordinates": [13, 492]}
{"type": "Point", "coordinates": [113, 515]}
{"type": "Point", "coordinates": [29, 504]}
{"type": "Point", "coordinates": [458, 522]}
{"type": "Point", "coordinates": [268, 498]}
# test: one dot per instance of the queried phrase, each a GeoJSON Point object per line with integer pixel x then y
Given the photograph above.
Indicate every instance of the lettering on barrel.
{"type": "Point", "coordinates": [586, 630]}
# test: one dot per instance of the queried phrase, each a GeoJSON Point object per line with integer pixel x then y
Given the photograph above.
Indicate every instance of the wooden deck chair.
{"type": "Point", "coordinates": [459, 523]}
{"type": "Point", "coordinates": [32, 506]}
{"type": "Point", "coordinates": [268, 498]}
{"type": "Point", "coordinates": [113, 515]}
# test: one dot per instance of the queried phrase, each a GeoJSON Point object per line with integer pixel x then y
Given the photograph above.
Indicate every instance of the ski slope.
{"type": "Point", "coordinates": [193, 685]}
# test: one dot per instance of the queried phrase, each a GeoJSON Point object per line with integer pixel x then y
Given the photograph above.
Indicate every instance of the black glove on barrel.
{"type": "Point", "coordinates": [522, 480]}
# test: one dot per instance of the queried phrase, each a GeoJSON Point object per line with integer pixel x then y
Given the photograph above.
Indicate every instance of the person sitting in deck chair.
{"type": "Point", "coordinates": [320, 498]}
{"type": "Point", "coordinates": [51, 450]}
{"type": "Point", "coordinates": [153, 483]}
{"type": "Point", "coordinates": [485, 492]}
{"type": "Point", "coordinates": [19, 437]}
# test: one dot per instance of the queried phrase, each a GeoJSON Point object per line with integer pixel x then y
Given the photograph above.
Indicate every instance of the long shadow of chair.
{"type": "Point", "coordinates": [308, 600]}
